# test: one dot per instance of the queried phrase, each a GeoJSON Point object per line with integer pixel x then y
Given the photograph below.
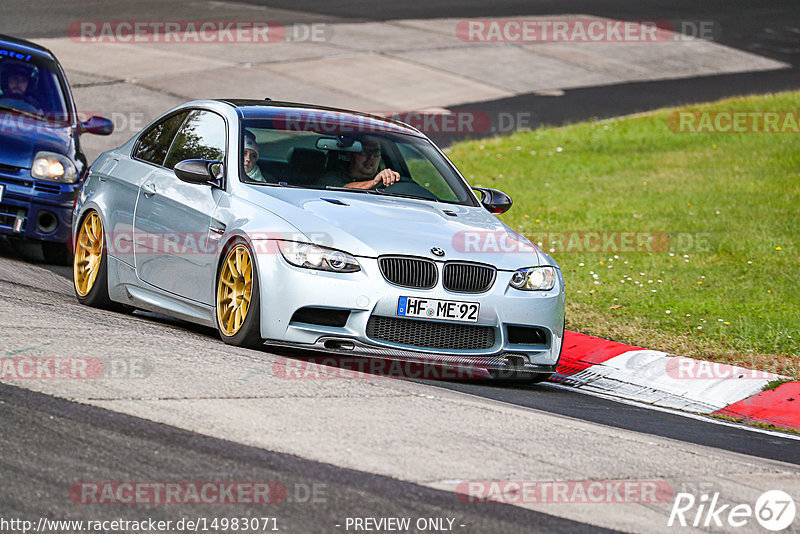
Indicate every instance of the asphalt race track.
{"type": "Point", "coordinates": [46, 441]}
{"type": "Point", "coordinates": [182, 406]}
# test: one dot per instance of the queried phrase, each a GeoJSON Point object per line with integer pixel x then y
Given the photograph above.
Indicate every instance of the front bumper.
{"type": "Point", "coordinates": [34, 209]}
{"type": "Point", "coordinates": [366, 294]}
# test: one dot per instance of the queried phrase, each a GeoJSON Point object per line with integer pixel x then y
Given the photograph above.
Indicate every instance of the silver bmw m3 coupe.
{"type": "Point", "coordinates": [292, 225]}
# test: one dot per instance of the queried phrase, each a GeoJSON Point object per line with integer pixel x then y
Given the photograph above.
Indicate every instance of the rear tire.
{"type": "Point", "coordinates": [238, 298]}
{"type": "Point", "coordinates": [90, 265]}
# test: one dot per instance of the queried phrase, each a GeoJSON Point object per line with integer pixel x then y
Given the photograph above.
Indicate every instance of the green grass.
{"type": "Point", "coordinates": [726, 287]}
{"type": "Point", "coordinates": [775, 384]}
{"type": "Point", "coordinates": [765, 426]}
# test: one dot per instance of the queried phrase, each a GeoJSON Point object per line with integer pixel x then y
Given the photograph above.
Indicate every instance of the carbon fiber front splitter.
{"type": "Point", "coordinates": [416, 364]}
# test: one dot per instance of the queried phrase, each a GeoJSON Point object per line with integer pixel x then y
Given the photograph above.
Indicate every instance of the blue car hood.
{"type": "Point", "coordinates": [21, 138]}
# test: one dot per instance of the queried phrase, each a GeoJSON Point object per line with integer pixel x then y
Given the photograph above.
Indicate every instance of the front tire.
{"type": "Point", "coordinates": [238, 298]}
{"type": "Point", "coordinates": [90, 265]}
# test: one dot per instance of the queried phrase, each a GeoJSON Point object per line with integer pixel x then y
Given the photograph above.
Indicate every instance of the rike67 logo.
{"type": "Point", "coordinates": [774, 510]}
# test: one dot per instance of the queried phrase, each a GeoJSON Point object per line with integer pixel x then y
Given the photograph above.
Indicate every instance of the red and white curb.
{"type": "Point", "coordinates": [660, 379]}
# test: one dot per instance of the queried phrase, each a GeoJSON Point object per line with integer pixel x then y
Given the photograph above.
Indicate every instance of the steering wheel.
{"type": "Point", "coordinates": [20, 104]}
{"type": "Point", "coordinates": [407, 186]}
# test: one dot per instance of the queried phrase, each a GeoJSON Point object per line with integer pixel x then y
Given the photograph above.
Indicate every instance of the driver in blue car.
{"type": "Point", "coordinates": [16, 82]}
{"type": "Point", "coordinates": [362, 170]}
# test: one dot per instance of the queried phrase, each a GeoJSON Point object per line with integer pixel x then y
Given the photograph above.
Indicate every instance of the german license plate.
{"type": "Point", "coordinates": [452, 310]}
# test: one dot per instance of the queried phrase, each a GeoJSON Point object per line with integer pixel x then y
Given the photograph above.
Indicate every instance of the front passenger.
{"type": "Point", "coordinates": [250, 158]}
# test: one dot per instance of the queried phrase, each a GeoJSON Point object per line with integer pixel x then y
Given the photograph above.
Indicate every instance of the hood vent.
{"type": "Point", "coordinates": [335, 201]}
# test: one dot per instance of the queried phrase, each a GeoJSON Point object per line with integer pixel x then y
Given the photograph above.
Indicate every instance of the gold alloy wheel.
{"type": "Point", "coordinates": [88, 254]}
{"type": "Point", "coordinates": [234, 290]}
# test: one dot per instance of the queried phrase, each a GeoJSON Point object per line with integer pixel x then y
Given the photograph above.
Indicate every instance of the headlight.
{"type": "Point", "coordinates": [320, 258]}
{"type": "Point", "coordinates": [534, 279]}
{"type": "Point", "coordinates": [54, 167]}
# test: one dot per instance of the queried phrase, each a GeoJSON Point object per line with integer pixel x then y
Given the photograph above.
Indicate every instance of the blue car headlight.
{"type": "Point", "coordinates": [534, 279]}
{"type": "Point", "coordinates": [320, 258]}
{"type": "Point", "coordinates": [54, 168]}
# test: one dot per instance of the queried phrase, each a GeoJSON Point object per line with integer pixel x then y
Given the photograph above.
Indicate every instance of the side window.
{"type": "Point", "coordinates": [154, 144]}
{"type": "Point", "coordinates": [202, 136]}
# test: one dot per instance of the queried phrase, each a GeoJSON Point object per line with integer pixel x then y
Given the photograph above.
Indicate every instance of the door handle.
{"type": "Point", "coordinates": [149, 190]}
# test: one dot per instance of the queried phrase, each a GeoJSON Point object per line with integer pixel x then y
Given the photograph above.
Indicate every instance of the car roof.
{"type": "Point", "coordinates": [271, 109]}
{"type": "Point", "coordinates": [27, 47]}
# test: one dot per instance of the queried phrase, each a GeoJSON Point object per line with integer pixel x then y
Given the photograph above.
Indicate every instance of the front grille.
{"type": "Point", "coordinates": [430, 335]}
{"type": "Point", "coordinates": [5, 179]}
{"type": "Point", "coordinates": [408, 272]}
{"type": "Point", "coordinates": [8, 168]}
{"type": "Point", "coordinates": [53, 189]}
{"type": "Point", "coordinates": [8, 214]}
{"type": "Point", "coordinates": [468, 277]}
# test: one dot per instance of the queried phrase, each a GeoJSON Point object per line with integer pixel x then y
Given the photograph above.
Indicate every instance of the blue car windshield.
{"type": "Point", "coordinates": [32, 88]}
{"type": "Point", "coordinates": [349, 159]}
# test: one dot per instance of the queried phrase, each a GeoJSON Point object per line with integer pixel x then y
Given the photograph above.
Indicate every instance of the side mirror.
{"type": "Point", "coordinates": [493, 200]}
{"type": "Point", "coordinates": [96, 125]}
{"type": "Point", "coordinates": [199, 171]}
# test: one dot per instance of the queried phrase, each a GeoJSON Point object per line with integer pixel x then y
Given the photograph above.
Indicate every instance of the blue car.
{"type": "Point", "coordinates": [42, 165]}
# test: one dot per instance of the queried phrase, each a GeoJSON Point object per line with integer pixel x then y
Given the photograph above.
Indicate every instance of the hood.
{"type": "Point", "coordinates": [21, 138]}
{"type": "Point", "coordinates": [371, 225]}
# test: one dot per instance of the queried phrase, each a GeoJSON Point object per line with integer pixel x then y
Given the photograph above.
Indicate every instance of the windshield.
{"type": "Point", "coordinates": [356, 161]}
{"type": "Point", "coordinates": [31, 87]}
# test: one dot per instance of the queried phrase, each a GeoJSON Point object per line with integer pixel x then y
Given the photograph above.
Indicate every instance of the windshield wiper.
{"type": "Point", "coordinates": [382, 191]}
{"type": "Point", "coordinates": [351, 189]}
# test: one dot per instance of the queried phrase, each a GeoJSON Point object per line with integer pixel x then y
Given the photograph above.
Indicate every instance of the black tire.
{"type": "Point", "coordinates": [97, 294]}
{"type": "Point", "coordinates": [248, 335]}
{"type": "Point", "coordinates": [57, 253]}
